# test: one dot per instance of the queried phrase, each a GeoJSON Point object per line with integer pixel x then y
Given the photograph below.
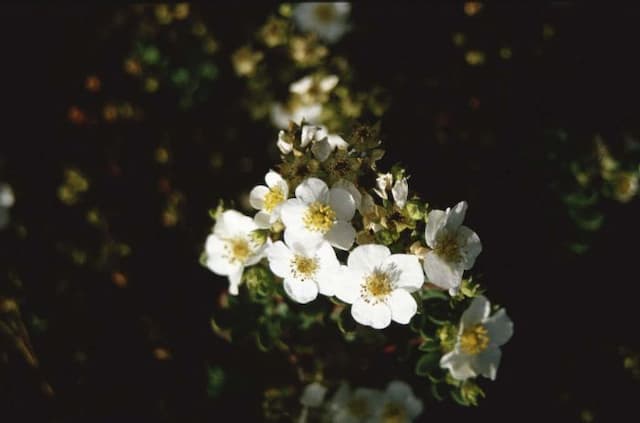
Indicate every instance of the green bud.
{"type": "Point", "coordinates": [414, 210]}
{"type": "Point", "coordinates": [447, 334]}
{"type": "Point", "coordinates": [259, 236]}
{"type": "Point", "coordinates": [471, 392]}
{"type": "Point", "coordinates": [259, 281]}
{"type": "Point", "coordinates": [386, 237]}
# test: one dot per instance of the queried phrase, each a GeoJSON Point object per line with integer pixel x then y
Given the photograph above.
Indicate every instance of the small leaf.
{"type": "Point", "coordinates": [434, 294]}
{"type": "Point", "coordinates": [346, 324]}
{"type": "Point", "coordinates": [427, 363]}
{"type": "Point", "coordinates": [458, 398]}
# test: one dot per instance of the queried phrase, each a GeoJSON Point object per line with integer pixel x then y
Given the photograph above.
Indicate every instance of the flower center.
{"type": "Point", "coordinates": [325, 13]}
{"type": "Point", "coordinates": [447, 248]}
{"type": "Point", "coordinates": [304, 267]}
{"type": "Point", "coordinates": [393, 413]}
{"type": "Point", "coordinates": [474, 340]}
{"type": "Point", "coordinates": [378, 285]}
{"type": "Point", "coordinates": [319, 217]}
{"type": "Point", "coordinates": [359, 408]}
{"type": "Point", "coordinates": [239, 249]}
{"type": "Point", "coordinates": [274, 197]}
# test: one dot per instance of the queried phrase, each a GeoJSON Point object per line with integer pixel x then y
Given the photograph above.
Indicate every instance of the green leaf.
{"type": "Point", "coordinates": [458, 398]}
{"type": "Point", "coordinates": [434, 294]}
{"type": "Point", "coordinates": [429, 345]}
{"type": "Point", "coordinates": [435, 391]}
{"type": "Point", "coordinates": [216, 380]}
{"type": "Point", "coordinates": [346, 324]}
{"type": "Point", "coordinates": [427, 363]}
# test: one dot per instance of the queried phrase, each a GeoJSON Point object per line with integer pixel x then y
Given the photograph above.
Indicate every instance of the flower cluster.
{"type": "Point", "coordinates": [329, 224]}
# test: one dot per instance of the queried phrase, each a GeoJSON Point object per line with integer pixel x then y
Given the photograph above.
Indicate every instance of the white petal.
{"type": "Point", "coordinates": [455, 216]}
{"type": "Point", "coordinates": [383, 182]}
{"type": "Point", "coordinates": [256, 196]}
{"type": "Point", "coordinates": [283, 146]}
{"type": "Point", "coordinates": [280, 118]}
{"type": "Point", "coordinates": [232, 223]}
{"type": "Point", "coordinates": [307, 135]}
{"type": "Point", "coordinates": [343, 203]}
{"type": "Point", "coordinates": [7, 199]}
{"type": "Point", "coordinates": [459, 365]}
{"type": "Point", "coordinates": [366, 205]}
{"type": "Point", "coordinates": [235, 278]}
{"type": "Point", "coordinates": [341, 235]}
{"type": "Point", "coordinates": [500, 327]}
{"type": "Point", "coordinates": [263, 220]}
{"type": "Point", "coordinates": [477, 312]}
{"type": "Point", "coordinates": [313, 189]}
{"type": "Point", "coordinates": [313, 395]}
{"type": "Point", "coordinates": [328, 83]}
{"type": "Point", "coordinates": [409, 271]}
{"type": "Point", "coordinates": [273, 180]}
{"type": "Point", "coordinates": [301, 86]}
{"type": "Point", "coordinates": [216, 262]}
{"type": "Point", "coordinates": [321, 149]}
{"type": "Point", "coordinates": [403, 306]}
{"type": "Point", "coordinates": [470, 246]}
{"type": "Point", "coordinates": [337, 141]}
{"type": "Point", "coordinates": [436, 220]}
{"type": "Point", "coordinates": [365, 258]}
{"type": "Point", "coordinates": [401, 393]}
{"type": "Point", "coordinates": [310, 114]}
{"type": "Point", "coordinates": [301, 291]}
{"type": "Point", "coordinates": [329, 269]}
{"type": "Point", "coordinates": [400, 191]}
{"type": "Point", "coordinates": [348, 185]}
{"type": "Point", "coordinates": [348, 284]}
{"type": "Point", "coordinates": [487, 362]}
{"type": "Point", "coordinates": [292, 212]}
{"type": "Point", "coordinates": [280, 257]}
{"type": "Point", "coordinates": [258, 253]}
{"type": "Point", "coordinates": [377, 316]}
{"type": "Point", "coordinates": [441, 273]}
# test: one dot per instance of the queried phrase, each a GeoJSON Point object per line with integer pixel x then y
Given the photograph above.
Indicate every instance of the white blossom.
{"type": "Point", "coordinates": [269, 199]}
{"type": "Point", "coordinates": [454, 247]}
{"type": "Point", "coordinates": [281, 115]}
{"type": "Point", "coordinates": [379, 284]}
{"type": "Point", "coordinates": [307, 269]}
{"type": "Point", "coordinates": [284, 146]}
{"type": "Point", "coordinates": [313, 88]}
{"type": "Point", "coordinates": [328, 20]}
{"type": "Point", "coordinates": [322, 143]}
{"type": "Point", "coordinates": [232, 247]}
{"type": "Point", "coordinates": [347, 406]}
{"type": "Point", "coordinates": [398, 404]}
{"type": "Point", "coordinates": [480, 336]}
{"type": "Point", "coordinates": [400, 192]}
{"type": "Point", "coordinates": [313, 395]}
{"type": "Point", "coordinates": [319, 213]}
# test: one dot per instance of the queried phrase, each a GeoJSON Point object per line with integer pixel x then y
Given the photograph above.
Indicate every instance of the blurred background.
{"type": "Point", "coordinates": [124, 125]}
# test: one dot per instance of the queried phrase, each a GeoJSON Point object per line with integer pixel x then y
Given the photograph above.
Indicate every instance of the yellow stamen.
{"type": "Point", "coordinates": [325, 12]}
{"type": "Point", "coordinates": [378, 285]}
{"type": "Point", "coordinates": [474, 340]}
{"type": "Point", "coordinates": [240, 249]}
{"type": "Point", "coordinates": [274, 197]}
{"type": "Point", "coordinates": [319, 217]}
{"type": "Point", "coordinates": [447, 248]}
{"type": "Point", "coordinates": [304, 267]}
{"type": "Point", "coordinates": [393, 413]}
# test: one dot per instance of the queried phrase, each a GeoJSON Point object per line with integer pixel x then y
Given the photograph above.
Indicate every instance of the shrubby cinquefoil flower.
{"type": "Point", "coordinates": [398, 404]}
{"type": "Point", "coordinates": [347, 406]}
{"type": "Point", "coordinates": [477, 349]}
{"type": "Point", "coordinates": [232, 246]}
{"type": "Point", "coordinates": [269, 199]}
{"type": "Point", "coordinates": [379, 284]}
{"type": "Point", "coordinates": [319, 213]}
{"type": "Point", "coordinates": [306, 268]}
{"type": "Point", "coordinates": [322, 143]}
{"type": "Point", "coordinates": [454, 247]}
{"type": "Point", "coordinates": [282, 115]}
{"type": "Point", "coordinates": [328, 20]}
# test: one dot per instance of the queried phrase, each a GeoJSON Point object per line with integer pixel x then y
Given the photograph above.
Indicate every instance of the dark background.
{"type": "Point", "coordinates": [571, 312]}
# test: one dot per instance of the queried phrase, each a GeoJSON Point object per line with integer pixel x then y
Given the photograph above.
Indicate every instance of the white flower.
{"type": "Point", "coordinates": [454, 247]}
{"type": "Point", "coordinates": [313, 395]}
{"type": "Point", "coordinates": [319, 213]}
{"type": "Point", "coordinates": [477, 349]}
{"type": "Point", "coordinates": [383, 183]}
{"type": "Point", "coordinates": [323, 143]}
{"type": "Point", "coordinates": [311, 89]}
{"type": "Point", "coordinates": [284, 146]}
{"type": "Point", "coordinates": [6, 201]}
{"type": "Point", "coordinates": [269, 199]}
{"type": "Point", "coordinates": [400, 191]}
{"type": "Point", "coordinates": [328, 20]}
{"type": "Point", "coordinates": [281, 116]}
{"type": "Point", "coordinates": [379, 284]}
{"type": "Point", "coordinates": [231, 247]}
{"type": "Point", "coordinates": [306, 269]}
{"type": "Point", "coordinates": [353, 407]}
{"type": "Point", "coordinates": [399, 404]}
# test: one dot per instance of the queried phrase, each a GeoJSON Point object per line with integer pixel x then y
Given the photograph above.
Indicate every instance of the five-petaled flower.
{"type": "Point", "coordinates": [328, 20]}
{"type": "Point", "coordinates": [399, 404]}
{"type": "Point", "coordinates": [319, 213]}
{"type": "Point", "coordinates": [269, 199]}
{"type": "Point", "coordinates": [454, 247]}
{"type": "Point", "coordinates": [306, 269]}
{"type": "Point", "coordinates": [477, 349]}
{"type": "Point", "coordinates": [232, 246]}
{"type": "Point", "coordinates": [379, 284]}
